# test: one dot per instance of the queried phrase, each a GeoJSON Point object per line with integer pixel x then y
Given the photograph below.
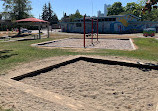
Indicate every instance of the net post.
{"type": "Point", "coordinates": [97, 30]}
{"type": "Point", "coordinates": [84, 33]}
{"type": "Point", "coordinates": [92, 30]}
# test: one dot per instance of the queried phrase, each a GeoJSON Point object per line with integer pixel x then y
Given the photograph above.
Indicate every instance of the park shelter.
{"type": "Point", "coordinates": [34, 22]}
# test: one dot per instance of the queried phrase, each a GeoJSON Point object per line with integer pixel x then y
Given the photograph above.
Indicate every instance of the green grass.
{"type": "Point", "coordinates": [13, 53]}
{"type": "Point", "coordinates": [147, 50]}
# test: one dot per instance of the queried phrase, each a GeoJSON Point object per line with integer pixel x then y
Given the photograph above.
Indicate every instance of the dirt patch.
{"type": "Point", "coordinates": [108, 87]}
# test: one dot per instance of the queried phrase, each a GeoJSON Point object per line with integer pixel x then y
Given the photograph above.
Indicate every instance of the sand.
{"type": "Point", "coordinates": [21, 101]}
{"type": "Point", "coordinates": [120, 44]}
{"type": "Point", "coordinates": [107, 87]}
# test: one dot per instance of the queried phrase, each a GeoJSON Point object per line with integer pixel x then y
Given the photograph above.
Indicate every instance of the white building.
{"type": "Point", "coordinates": [100, 14]}
{"type": "Point", "coordinates": [106, 9]}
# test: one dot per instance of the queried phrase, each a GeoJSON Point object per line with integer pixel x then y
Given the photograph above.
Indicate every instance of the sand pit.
{"type": "Point", "coordinates": [107, 87]}
{"type": "Point", "coordinates": [120, 44]}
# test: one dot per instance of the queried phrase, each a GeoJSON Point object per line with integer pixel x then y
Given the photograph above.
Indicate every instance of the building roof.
{"type": "Point", "coordinates": [120, 16]}
{"type": "Point", "coordinates": [31, 20]}
{"type": "Point", "coordinates": [112, 16]}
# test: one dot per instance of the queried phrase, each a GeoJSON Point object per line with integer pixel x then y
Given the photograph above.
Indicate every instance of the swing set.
{"type": "Point", "coordinates": [92, 32]}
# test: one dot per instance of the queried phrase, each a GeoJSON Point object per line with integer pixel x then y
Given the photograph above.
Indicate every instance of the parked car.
{"type": "Point", "coordinates": [26, 31]}
{"type": "Point", "coordinates": [149, 32]}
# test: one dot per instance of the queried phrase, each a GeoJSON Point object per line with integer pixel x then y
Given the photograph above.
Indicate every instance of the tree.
{"type": "Point", "coordinates": [77, 15]}
{"type": "Point", "coordinates": [65, 15]}
{"type": "Point", "coordinates": [0, 16]}
{"type": "Point", "coordinates": [115, 9]}
{"type": "Point", "coordinates": [17, 9]}
{"type": "Point", "coordinates": [50, 12]}
{"type": "Point", "coordinates": [44, 13]}
{"type": "Point", "coordinates": [49, 15]}
{"type": "Point", "coordinates": [150, 16]}
{"type": "Point", "coordinates": [132, 8]}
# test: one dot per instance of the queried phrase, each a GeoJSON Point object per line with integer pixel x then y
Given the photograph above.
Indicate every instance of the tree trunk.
{"type": "Point", "coordinates": [19, 30]}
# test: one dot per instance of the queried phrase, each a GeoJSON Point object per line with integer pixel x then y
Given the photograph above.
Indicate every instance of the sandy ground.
{"type": "Point", "coordinates": [20, 101]}
{"type": "Point", "coordinates": [108, 88]}
{"type": "Point", "coordinates": [101, 43]}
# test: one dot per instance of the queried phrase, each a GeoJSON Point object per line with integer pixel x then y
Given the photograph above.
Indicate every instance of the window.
{"type": "Point", "coordinates": [107, 19]}
{"type": "Point", "coordinates": [78, 24]}
{"type": "Point", "coordinates": [87, 20]}
{"type": "Point", "coordinates": [99, 20]}
{"type": "Point", "coordinates": [112, 19]}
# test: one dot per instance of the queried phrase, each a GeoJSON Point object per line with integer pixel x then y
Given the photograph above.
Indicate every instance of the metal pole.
{"type": "Point", "coordinates": [48, 30]}
{"type": "Point", "coordinates": [39, 28]}
{"type": "Point", "coordinates": [84, 33]}
{"type": "Point", "coordinates": [92, 30]}
{"type": "Point", "coordinates": [97, 30]}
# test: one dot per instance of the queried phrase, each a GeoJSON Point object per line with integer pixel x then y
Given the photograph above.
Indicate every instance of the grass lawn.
{"type": "Point", "coordinates": [147, 50]}
{"type": "Point", "coordinates": [12, 53]}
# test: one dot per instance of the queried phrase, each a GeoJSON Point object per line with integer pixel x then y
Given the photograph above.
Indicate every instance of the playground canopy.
{"type": "Point", "coordinates": [34, 22]}
{"type": "Point", "coordinates": [31, 20]}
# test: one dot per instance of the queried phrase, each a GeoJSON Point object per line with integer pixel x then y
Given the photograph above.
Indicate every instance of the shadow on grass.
{"type": "Point", "coordinates": [15, 36]}
{"type": "Point", "coordinates": [21, 35]}
{"type": "Point", "coordinates": [5, 51]}
{"type": "Point", "coordinates": [4, 54]}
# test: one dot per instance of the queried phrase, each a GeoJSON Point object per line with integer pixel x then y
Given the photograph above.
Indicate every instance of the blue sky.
{"type": "Point", "coordinates": [70, 6]}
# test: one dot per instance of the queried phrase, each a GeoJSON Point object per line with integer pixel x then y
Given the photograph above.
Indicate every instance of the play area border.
{"type": "Point", "coordinates": [87, 59]}
{"type": "Point", "coordinates": [44, 44]}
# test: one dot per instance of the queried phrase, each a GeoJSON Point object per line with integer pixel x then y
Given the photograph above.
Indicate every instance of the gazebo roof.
{"type": "Point", "coordinates": [34, 22]}
{"type": "Point", "coordinates": [31, 20]}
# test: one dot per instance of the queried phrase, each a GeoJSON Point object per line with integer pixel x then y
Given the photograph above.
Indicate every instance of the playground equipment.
{"type": "Point", "coordinates": [92, 19]}
{"type": "Point", "coordinates": [149, 5]}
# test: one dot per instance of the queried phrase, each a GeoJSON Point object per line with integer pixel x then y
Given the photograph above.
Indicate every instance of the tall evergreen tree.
{"type": "Point", "coordinates": [50, 12]}
{"type": "Point", "coordinates": [49, 15]}
{"type": "Point", "coordinates": [44, 13]}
